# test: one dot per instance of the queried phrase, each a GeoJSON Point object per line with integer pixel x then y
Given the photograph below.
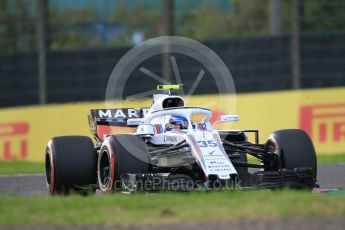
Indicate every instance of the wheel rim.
{"type": "Point", "coordinates": [272, 148]}
{"type": "Point", "coordinates": [105, 168]}
{"type": "Point", "coordinates": [48, 169]}
{"type": "Point", "coordinates": [49, 165]}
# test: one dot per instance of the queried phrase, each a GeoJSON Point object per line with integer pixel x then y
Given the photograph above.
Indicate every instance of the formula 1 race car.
{"type": "Point", "coordinates": [171, 149]}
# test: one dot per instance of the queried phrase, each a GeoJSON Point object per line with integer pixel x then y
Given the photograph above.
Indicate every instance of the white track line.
{"type": "Point", "coordinates": [21, 175]}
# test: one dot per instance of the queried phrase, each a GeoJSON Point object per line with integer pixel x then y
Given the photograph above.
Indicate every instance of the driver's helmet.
{"type": "Point", "coordinates": [176, 123]}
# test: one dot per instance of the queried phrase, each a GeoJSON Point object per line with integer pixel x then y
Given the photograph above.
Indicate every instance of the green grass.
{"type": "Point", "coordinates": [141, 208]}
{"type": "Point", "coordinates": [334, 158]}
{"type": "Point", "coordinates": [17, 167]}
{"type": "Point", "coordinates": [321, 158]}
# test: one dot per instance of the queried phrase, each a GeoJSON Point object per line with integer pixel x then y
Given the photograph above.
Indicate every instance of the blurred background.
{"type": "Point", "coordinates": [57, 51]}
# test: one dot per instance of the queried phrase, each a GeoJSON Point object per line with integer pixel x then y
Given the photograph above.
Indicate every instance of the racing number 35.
{"type": "Point", "coordinates": [208, 143]}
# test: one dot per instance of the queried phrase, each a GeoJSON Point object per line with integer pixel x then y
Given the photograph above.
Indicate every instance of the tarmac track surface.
{"type": "Point", "coordinates": [283, 224]}
{"type": "Point", "coordinates": [330, 176]}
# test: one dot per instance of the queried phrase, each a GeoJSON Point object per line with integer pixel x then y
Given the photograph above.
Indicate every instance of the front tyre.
{"type": "Point", "coordinates": [70, 163]}
{"type": "Point", "coordinates": [121, 154]}
{"type": "Point", "coordinates": [293, 148]}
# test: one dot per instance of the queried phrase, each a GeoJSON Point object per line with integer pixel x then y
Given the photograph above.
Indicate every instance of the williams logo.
{"type": "Point", "coordinates": [211, 152]}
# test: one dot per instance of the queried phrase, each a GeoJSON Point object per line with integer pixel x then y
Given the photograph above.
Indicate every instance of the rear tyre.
{"type": "Point", "coordinates": [70, 163]}
{"type": "Point", "coordinates": [119, 155]}
{"type": "Point", "coordinates": [294, 149]}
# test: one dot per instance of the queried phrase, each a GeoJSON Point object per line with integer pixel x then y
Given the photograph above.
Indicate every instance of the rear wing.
{"type": "Point", "coordinates": [107, 121]}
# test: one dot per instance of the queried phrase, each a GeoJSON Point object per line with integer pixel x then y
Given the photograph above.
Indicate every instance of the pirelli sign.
{"type": "Point", "coordinates": [325, 123]}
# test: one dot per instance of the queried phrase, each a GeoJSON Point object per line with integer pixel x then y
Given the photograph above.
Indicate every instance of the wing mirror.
{"type": "Point", "coordinates": [229, 118]}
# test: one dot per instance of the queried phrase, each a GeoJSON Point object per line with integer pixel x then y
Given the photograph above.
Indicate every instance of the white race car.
{"type": "Point", "coordinates": [174, 147]}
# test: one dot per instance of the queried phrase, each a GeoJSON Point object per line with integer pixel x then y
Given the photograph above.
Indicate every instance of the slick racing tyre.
{"type": "Point", "coordinates": [119, 155]}
{"type": "Point", "coordinates": [70, 163]}
{"type": "Point", "coordinates": [294, 149]}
